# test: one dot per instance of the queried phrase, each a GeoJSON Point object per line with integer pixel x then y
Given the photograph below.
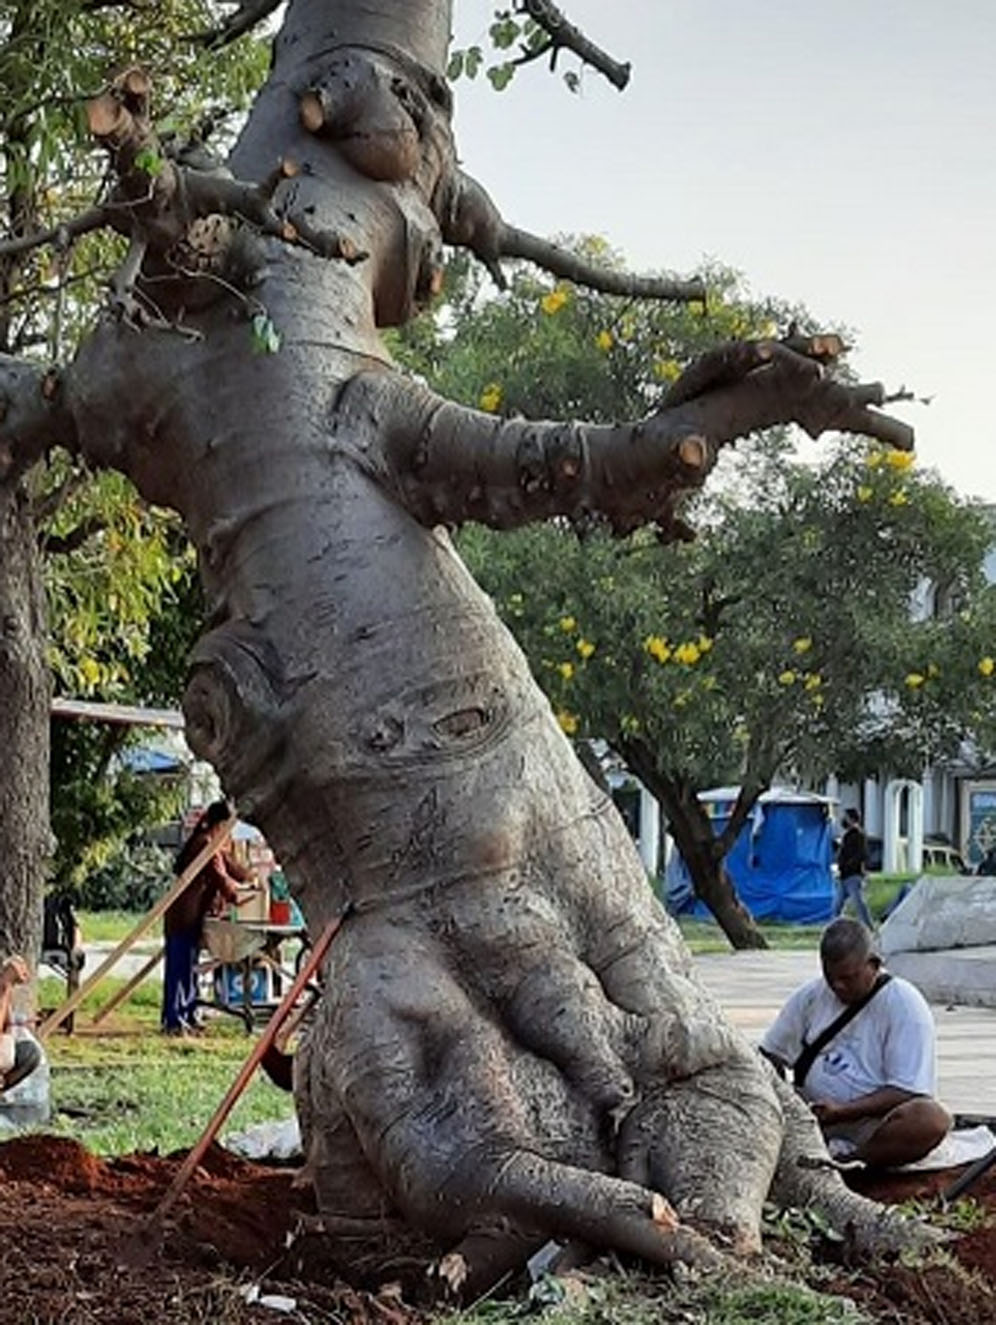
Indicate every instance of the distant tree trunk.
{"type": "Point", "coordinates": [702, 852]}
{"type": "Point", "coordinates": [24, 730]}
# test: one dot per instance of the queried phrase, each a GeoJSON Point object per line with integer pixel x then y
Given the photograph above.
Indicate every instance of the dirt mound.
{"type": "Point", "coordinates": [56, 1161]}
{"type": "Point", "coordinates": [76, 1253]}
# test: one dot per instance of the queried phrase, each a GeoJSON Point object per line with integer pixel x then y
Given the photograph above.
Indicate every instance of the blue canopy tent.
{"type": "Point", "coordinates": [780, 862]}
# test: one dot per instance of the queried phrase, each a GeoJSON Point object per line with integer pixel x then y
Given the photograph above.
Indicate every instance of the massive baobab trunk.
{"type": "Point", "coordinates": [512, 1032]}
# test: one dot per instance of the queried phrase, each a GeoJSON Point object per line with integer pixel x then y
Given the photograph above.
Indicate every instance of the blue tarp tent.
{"type": "Point", "coordinates": [779, 864]}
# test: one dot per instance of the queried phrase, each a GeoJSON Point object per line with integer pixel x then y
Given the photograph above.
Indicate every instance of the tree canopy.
{"type": "Point", "coordinates": [781, 640]}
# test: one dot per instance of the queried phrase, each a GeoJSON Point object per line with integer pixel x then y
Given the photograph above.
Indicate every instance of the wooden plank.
{"type": "Point", "coordinates": [120, 714]}
{"type": "Point", "coordinates": [130, 987]}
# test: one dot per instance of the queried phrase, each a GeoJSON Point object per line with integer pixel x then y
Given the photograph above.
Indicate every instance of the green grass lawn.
{"type": "Point", "coordinates": [122, 1086]}
{"type": "Point", "coordinates": [112, 926]}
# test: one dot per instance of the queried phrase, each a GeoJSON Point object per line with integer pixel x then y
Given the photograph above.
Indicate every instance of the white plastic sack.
{"type": "Point", "coordinates": [29, 1103]}
{"type": "Point", "coordinates": [263, 1141]}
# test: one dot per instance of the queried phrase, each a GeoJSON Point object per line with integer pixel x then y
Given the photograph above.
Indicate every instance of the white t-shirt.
{"type": "Point", "coordinates": [889, 1043]}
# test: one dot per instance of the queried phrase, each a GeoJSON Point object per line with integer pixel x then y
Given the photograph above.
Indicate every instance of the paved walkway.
{"type": "Point", "coordinates": [753, 985]}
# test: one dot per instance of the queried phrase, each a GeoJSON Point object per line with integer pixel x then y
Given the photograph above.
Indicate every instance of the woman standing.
{"type": "Point", "coordinates": [215, 885]}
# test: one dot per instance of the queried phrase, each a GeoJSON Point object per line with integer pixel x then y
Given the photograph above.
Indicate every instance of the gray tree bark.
{"type": "Point", "coordinates": [24, 728]}
{"type": "Point", "coordinates": [513, 1042]}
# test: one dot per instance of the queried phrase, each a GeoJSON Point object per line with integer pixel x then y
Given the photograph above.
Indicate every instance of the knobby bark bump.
{"type": "Point", "coordinates": [513, 1043]}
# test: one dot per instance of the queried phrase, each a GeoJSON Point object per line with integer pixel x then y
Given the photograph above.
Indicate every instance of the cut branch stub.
{"type": "Point", "coordinates": [372, 113]}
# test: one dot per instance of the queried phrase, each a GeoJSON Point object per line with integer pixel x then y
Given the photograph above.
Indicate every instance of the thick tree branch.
{"type": "Point", "coordinates": [565, 36]}
{"type": "Point", "coordinates": [449, 463]}
{"type": "Point", "coordinates": [61, 235]}
{"type": "Point", "coordinates": [33, 416]}
{"type": "Point", "coordinates": [248, 16]}
{"type": "Point", "coordinates": [474, 222]}
{"type": "Point", "coordinates": [561, 262]}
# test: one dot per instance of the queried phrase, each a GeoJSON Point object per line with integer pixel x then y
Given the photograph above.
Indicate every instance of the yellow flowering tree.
{"type": "Point", "coordinates": [750, 652]}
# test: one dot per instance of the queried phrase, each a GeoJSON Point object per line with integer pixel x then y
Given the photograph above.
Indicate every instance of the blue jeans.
{"type": "Point", "coordinates": [180, 979]}
{"type": "Point", "coordinates": [852, 889]}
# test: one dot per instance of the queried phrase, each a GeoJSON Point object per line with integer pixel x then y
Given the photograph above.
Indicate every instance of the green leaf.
{"type": "Point", "coordinates": [455, 67]}
{"type": "Point", "coordinates": [265, 336]}
{"type": "Point", "coordinates": [503, 33]}
{"type": "Point", "coordinates": [473, 61]}
{"type": "Point", "coordinates": [150, 161]}
{"type": "Point", "coordinates": [500, 75]}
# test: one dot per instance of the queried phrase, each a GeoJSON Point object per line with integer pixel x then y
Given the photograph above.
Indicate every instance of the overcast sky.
{"type": "Point", "coordinates": [842, 155]}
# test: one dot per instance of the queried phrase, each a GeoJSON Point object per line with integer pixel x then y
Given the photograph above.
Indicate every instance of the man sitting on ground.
{"type": "Point", "coordinates": [872, 1082]}
{"type": "Point", "coordinates": [19, 1056]}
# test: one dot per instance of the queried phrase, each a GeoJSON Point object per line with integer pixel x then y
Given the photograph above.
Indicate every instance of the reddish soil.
{"type": "Point", "coordinates": [75, 1249]}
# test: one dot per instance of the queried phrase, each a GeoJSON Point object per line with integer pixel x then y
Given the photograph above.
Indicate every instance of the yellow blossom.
{"type": "Point", "coordinates": [490, 397]}
{"type": "Point", "coordinates": [915, 680]}
{"type": "Point", "coordinates": [899, 497]}
{"type": "Point", "coordinates": [554, 301]}
{"type": "Point", "coordinates": [864, 492]}
{"type": "Point", "coordinates": [657, 646]}
{"type": "Point", "coordinates": [604, 340]}
{"type": "Point", "coordinates": [585, 648]}
{"type": "Point", "coordinates": [803, 644]}
{"type": "Point", "coordinates": [786, 678]}
{"type": "Point", "coordinates": [704, 643]}
{"type": "Point", "coordinates": [668, 370]}
{"type": "Point", "coordinates": [899, 460]}
{"type": "Point", "coordinates": [569, 722]}
{"type": "Point", "coordinates": [813, 681]}
{"type": "Point", "coordinates": [986, 666]}
{"type": "Point", "coordinates": [933, 670]}
{"type": "Point", "coordinates": [566, 670]}
{"type": "Point", "coordinates": [687, 653]}
{"type": "Point", "coordinates": [567, 624]}
{"type": "Point", "coordinates": [874, 458]}
{"type": "Point", "coordinates": [817, 699]}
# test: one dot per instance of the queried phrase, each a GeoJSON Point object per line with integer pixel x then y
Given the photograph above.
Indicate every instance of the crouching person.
{"type": "Point", "coordinates": [860, 1045]}
{"type": "Point", "coordinates": [20, 1055]}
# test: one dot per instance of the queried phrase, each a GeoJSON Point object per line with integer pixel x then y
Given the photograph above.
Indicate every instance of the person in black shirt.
{"type": "Point", "coordinates": [851, 860]}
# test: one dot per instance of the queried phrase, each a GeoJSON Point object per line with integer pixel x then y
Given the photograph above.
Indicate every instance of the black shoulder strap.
{"type": "Point", "coordinates": [810, 1052]}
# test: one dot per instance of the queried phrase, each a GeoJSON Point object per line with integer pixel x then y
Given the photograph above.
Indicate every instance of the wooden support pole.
{"type": "Point", "coordinates": [213, 844]}
{"type": "Point", "coordinates": [245, 1072]}
{"type": "Point", "coordinates": [130, 987]}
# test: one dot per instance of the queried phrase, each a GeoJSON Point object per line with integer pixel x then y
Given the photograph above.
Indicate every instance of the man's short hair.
{"type": "Point", "coordinates": [851, 815]}
{"type": "Point", "coordinates": [844, 939]}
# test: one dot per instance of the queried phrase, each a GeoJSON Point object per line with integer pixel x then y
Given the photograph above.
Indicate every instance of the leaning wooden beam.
{"type": "Point", "coordinates": [213, 844]}
{"type": "Point", "coordinates": [130, 987]}
{"type": "Point", "coordinates": [244, 1074]}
